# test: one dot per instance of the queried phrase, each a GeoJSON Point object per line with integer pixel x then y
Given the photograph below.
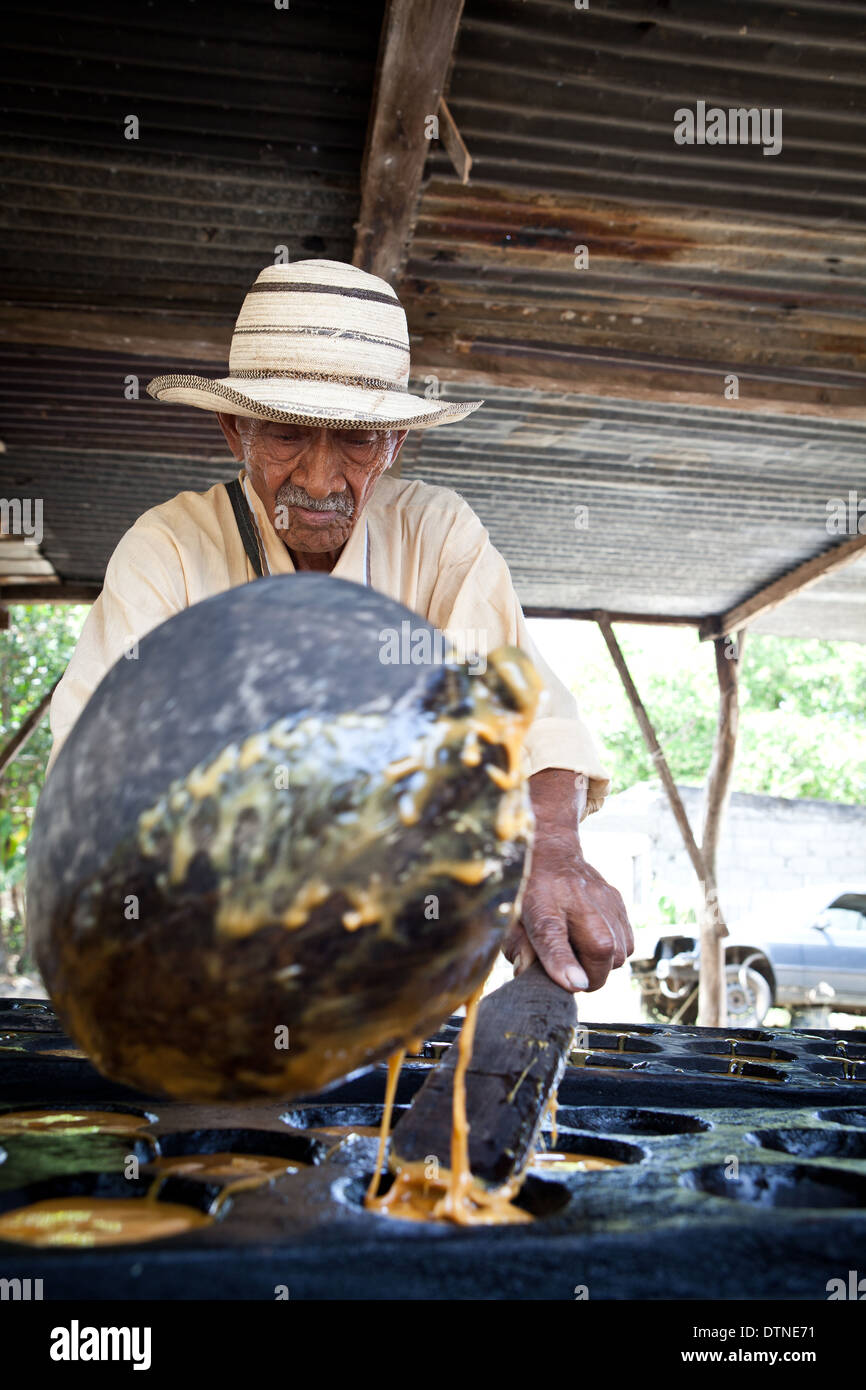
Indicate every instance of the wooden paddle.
{"type": "Point", "coordinates": [522, 1038]}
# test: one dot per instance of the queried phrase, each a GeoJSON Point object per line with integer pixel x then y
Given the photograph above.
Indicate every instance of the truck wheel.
{"type": "Point", "coordinates": [749, 996]}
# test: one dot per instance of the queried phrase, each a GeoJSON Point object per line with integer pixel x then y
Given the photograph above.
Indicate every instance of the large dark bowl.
{"type": "Point", "coordinates": [269, 852]}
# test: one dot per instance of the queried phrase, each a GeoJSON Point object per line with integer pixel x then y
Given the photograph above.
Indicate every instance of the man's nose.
{"type": "Point", "coordinates": [317, 471]}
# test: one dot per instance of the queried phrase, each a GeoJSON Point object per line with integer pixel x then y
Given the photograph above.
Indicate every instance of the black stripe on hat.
{"type": "Point", "coordinates": [289, 287]}
{"type": "Point", "coordinates": [368, 383]}
{"type": "Point", "coordinates": [308, 331]}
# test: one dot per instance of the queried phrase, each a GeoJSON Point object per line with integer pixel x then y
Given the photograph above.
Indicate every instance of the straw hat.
{"type": "Point", "coordinates": [317, 343]}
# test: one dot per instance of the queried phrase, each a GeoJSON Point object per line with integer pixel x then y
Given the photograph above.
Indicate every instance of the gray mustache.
{"type": "Point", "coordinates": [291, 496]}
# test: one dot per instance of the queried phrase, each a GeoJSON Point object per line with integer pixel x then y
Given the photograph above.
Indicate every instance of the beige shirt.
{"type": "Point", "coordinates": [423, 545]}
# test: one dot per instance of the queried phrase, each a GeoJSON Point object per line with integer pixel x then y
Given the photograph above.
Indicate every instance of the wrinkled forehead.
{"type": "Point", "coordinates": [252, 428]}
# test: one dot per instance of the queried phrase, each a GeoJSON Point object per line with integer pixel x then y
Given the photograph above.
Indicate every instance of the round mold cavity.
{"type": "Point", "coordinates": [845, 1115]}
{"type": "Point", "coordinates": [317, 1117]}
{"type": "Point", "coordinates": [53, 1047]}
{"type": "Point", "coordinates": [570, 1141]}
{"type": "Point", "coordinates": [578, 1060]}
{"type": "Point", "coordinates": [29, 1016]}
{"type": "Point", "coordinates": [432, 1050]}
{"type": "Point", "coordinates": [832, 1033]}
{"type": "Point", "coordinates": [27, 1008]}
{"type": "Point", "coordinates": [203, 1197]}
{"type": "Point", "coordinates": [594, 1040]}
{"type": "Point", "coordinates": [758, 1035]}
{"type": "Point", "coordinates": [765, 1052]}
{"type": "Point", "coordinates": [36, 1157]}
{"type": "Point", "coordinates": [837, 1067]}
{"type": "Point", "coordinates": [295, 1148]}
{"type": "Point", "coordinates": [856, 1052]}
{"type": "Point", "coordinates": [813, 1143]}
{"type": "Point", "coordinates": [617, 1119]}
{"type": "Point", "coordinates": [800, 1185]}
{"type": "Point", "coordinates": [627, 1028]}
{"type": "Point", "coordinates": [91, 1108]}
{"type": "Point", "coordinates": [726, 1066]}
{"type": "Point", "coordinates": [540, 1197]}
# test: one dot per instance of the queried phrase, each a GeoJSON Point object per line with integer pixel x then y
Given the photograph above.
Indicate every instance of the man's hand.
{"type": "Point", "coordinates": [572, 920]}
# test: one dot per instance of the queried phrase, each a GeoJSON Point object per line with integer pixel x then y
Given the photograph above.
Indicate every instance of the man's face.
{"type": "Point", "coordinates": [314, 481]}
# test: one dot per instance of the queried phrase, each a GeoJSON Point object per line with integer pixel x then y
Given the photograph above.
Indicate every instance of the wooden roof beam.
{"type": "Point", "coordinates": [13, 592]}
{"type": "Point", "coordinates": [597, 615]}
{"type": "Point", "coordinates": [764, 600]}
{"type": "Point", "coordinates": [561, 368]}
{"type": "Point", "coordinates": [143, 335]}
{"type": "Point", "coordinates": [414, 57]}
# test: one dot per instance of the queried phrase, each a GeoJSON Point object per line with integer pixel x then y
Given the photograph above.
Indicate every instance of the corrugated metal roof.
{"type": "Point", "coordinates": [699, 254]}
{"type": "Point", "coordinates": [598, 503]}
{"type": "Point", "coordinates": [251, 128]}
{"type": "Point", "coordinates": [663, 286]}
{"type": "Point", "coordinates": [583, 101]}
{"type": "Point", "coordinates": [704, 260]}
{"type": "Point", "coordinates": [78, 402]}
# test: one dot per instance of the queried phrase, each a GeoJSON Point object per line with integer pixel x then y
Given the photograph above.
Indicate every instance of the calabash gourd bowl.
{"type": "Point", "coordinates": [282, 839]}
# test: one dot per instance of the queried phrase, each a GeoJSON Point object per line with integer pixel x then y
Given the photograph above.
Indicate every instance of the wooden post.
{"type": "Point", "coordinates": [652, 743]}
{"type": "Point", "coordinates": [712, 998]}
{"type": "Point", "coordinates": [415, 51]}
{"type": "Point", "coordinates": [712, 994]}
{"type": "Point", "coordinates": [22, 734]}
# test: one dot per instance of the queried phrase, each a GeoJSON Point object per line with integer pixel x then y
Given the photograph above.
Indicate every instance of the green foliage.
{"type": "Point", "coordinates": [670, 913]}
{"type": "Point", "coordinates": [802, 728]}
{"type": "Point", "coordinates": [34, 651]}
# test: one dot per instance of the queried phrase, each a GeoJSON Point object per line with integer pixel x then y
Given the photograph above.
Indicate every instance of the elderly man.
{"type": "Point", "coordinates": [316, 409]}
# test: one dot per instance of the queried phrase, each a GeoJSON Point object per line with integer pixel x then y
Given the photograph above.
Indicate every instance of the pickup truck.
{"type": "Point", "coordinates": [808, 956]}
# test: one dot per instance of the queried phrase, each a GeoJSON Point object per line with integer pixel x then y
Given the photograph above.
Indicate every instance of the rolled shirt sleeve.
{"type": "Point", "coordinates": [474, 597]}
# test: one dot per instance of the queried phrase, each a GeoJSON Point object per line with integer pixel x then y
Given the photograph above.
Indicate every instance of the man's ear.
{"type": "Point", "coordinates": [229, 427]}
{"type": "Point", "coordinates": [400, 436]}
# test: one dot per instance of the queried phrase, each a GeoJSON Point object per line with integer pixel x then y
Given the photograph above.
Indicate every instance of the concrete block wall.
{"type": "Point", "coordinates": [770, 846]}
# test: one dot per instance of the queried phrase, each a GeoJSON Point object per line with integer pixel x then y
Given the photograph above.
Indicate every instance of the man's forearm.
{"type": "Point", "coordinates": [573, 921]}
{"type": "Point", "coordinates": [558, 798]}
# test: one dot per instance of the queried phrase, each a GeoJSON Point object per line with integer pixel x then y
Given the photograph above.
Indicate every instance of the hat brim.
{"type": "Point", "coordinates": [307, 401]}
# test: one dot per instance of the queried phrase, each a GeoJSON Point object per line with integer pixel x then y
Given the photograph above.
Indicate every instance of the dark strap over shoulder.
{"type": "Point", "coordinates": [245, 525]}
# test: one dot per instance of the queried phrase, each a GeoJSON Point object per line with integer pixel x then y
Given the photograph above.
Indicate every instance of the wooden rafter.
{"type": "Point", "coordinates": [764, 600]}
{"type": "Point", "coordinates": [144, 335]}
{"type": "Point", "coordinates": [414, 57]}
{"type": "Point", "coordinates": [48, 593]}
{"type": "Point", "coordinates": [454, 143]}
{"type": "Point", "coordinates": [595, 615]}
{"type": "Point", "coordinates": [546, 366]}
